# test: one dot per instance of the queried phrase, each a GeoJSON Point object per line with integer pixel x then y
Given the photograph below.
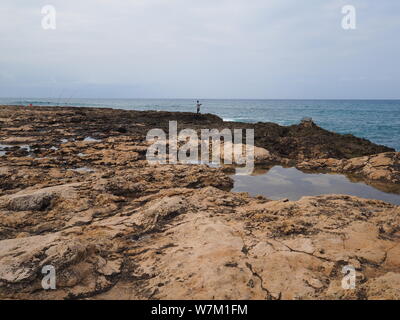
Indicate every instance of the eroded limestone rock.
{"type": "Point", "coordinates": [115, 227]}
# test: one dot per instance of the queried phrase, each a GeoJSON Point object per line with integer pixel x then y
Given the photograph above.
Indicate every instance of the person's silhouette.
{"type": "Point", "coordinates": [198, 106]}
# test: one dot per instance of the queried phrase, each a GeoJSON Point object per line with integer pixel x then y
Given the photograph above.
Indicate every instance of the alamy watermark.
{"type": "Point", "coordinates": [49, 280]}
{"type": "Point", "coordinates": [349, 280]}
{"type": "Point", "coordinates": [349, 21]}
{"type": "Point", "coordinates": [186, 147]}
{"type": "Point", "coordinates": [49, 20]}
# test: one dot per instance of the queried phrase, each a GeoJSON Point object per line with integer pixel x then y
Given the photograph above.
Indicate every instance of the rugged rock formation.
{"type": "Point", "coordinates": [114, 227]}
{"type": "Point", "coordinates": [207, 243]}
{"type": "Point", "coordinates": [41, 126]}
{"type": "Point", "coordinates": [383, 167]}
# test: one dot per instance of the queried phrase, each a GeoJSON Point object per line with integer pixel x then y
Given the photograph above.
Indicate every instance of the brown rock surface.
{"type": "Point", "coordinates": [115, 227]}
{"type": "Point", "coordinates": [212, 244]}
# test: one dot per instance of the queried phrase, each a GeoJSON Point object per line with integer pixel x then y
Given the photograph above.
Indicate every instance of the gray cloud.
{"type": "Point", "coordinates": [187, 48]}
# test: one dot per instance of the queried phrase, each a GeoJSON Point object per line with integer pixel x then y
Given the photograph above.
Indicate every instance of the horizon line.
{"type": "Point", "coordinates": [158, 98]}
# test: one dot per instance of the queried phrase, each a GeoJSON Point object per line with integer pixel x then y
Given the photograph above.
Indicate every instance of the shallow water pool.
{"type": "Point", "coordinates": [281, 183]}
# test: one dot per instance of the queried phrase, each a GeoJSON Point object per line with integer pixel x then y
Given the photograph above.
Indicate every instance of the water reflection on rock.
{"type": "Point", "coordinates": [280, 183]}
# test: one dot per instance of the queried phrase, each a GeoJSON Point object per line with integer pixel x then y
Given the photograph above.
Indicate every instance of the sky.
{"type": "Point", "coordinates": [250, 49]}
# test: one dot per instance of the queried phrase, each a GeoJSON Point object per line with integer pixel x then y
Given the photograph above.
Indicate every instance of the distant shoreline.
{"type": "Point", "coordinates": [363, 118]}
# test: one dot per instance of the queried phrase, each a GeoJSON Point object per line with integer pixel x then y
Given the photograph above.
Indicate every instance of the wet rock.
{"type": "Point", "coordinates": [380, 167]}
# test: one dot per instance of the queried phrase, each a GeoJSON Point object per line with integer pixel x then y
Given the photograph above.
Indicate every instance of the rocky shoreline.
{"type": "Point", "coordinates": [77, 193]}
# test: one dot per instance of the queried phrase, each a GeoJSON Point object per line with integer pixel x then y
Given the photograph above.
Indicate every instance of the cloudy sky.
{"type": "Point", "coordinates": [200, 48]}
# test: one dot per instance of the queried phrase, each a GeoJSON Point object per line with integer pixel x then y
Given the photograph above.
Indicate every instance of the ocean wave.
{"type": "Point", "coordinates": [229, 119]}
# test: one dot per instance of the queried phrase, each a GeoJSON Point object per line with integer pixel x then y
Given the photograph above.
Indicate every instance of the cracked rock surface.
{"type": "Point", "coordinates": [115, 227]}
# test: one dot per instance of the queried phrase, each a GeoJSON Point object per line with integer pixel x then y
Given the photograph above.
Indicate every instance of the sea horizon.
{"type": "Point", "coordinates": [196, 98]}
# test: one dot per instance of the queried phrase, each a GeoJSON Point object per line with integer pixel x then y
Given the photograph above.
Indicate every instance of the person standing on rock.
{"type": "Point", "coordinates": [198, 106]}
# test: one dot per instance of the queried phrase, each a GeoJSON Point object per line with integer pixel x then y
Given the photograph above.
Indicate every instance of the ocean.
{"type": "Point", "coordinates": [375, 120]}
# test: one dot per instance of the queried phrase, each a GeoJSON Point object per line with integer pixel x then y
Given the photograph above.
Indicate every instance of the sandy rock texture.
{"type": "Point", "coordinates": [76, 193]}
{"type": "Point", "coordinates": [212, 244]}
